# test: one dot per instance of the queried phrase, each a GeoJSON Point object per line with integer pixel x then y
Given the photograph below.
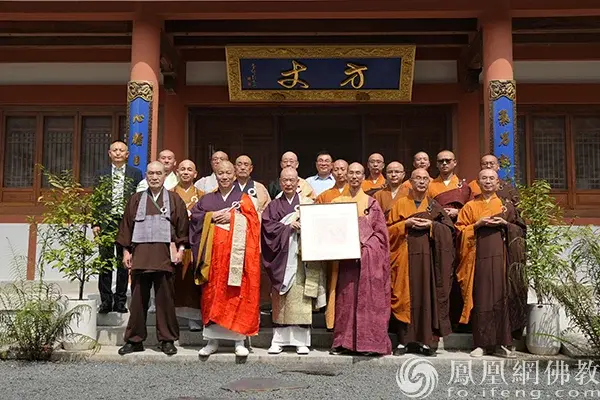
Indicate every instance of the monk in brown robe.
{"type": "Point", "coordinates": [447, 189]}
{"type": "Point", "coordinates": [187, 293]}
{"type": "Point", "coordinates": [393, 191]}
{"type": "Point", "coordinates": [256, 190]}
{"type": "Point", "coordinates": [375, 180]}
{"type": "Point", "coordinates": [420, 160]}
{"type": "Point", "coordinates": [154, 222]}
{"type": "Point", "coordinates": [490, 269]}
{"type": "Point", "coordinates": [506, 191]}
{"type": "Point", "coordinates": [339, 172]}
{"type": "Point", "coordinates": [422, 258]}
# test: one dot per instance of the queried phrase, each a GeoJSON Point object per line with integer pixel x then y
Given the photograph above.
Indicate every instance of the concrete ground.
{"type": "Point", "coordinates": [153, 376]}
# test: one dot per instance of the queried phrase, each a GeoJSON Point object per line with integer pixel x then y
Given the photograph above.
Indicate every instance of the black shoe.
{"type": "Point", "coordinates": [131, 348]}
{"type": "Point", "coordinates": [120, 308]}
{"type": "Point", "coordinates": [168, 348]}
{"type": "Point", "coordinates": [427, 351]}
{"type": "Point", "coordinates": [400, 351]}
{"type": "Point", "coordinates": [337, 351]}
{"type": "Point", "coordinates": [104, 308]}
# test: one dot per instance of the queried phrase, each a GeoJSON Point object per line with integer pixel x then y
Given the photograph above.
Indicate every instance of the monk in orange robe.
{"type": "Point", "coordinates": [225, 233]}
{"type": "Point", "coordinates": [490, 269]}
{"type": "Point", "coordinates": [340, 174]}
{"type": "Point", "coordinates": [506, 191]}
{"type": "Point", "coordinates": [375, 180]}
{"type": "Point", "coordinates": [447, 189]}
{"type": "Point", "coordinates": [420, 160]}
{"type": "Point", "coordinates": [422, 258]}
{"type": "Point", "coordinates": [393, 191]}
{"type": "Point", "coordinates": [187, 293]}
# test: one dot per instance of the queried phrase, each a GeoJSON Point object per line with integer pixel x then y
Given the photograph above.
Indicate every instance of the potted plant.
{"type": "Point", "coordinates": [546, 240]}
{"type": "Point", "coordinates": [66, 225]}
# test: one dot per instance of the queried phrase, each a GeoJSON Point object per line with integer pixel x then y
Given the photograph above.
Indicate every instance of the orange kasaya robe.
{"type": "Point", "coordinates": [330, 194]}
{"type": "Point", "coordinates": [386, 198]}
{"type": "Point", "coordinates": [333, 267]}
{"type": "Point", "coordinates": [437, 186]}
{"type": "Point", "coordinates": [235, 308]}
{"type": "Point", "coordinates": [370, 185]}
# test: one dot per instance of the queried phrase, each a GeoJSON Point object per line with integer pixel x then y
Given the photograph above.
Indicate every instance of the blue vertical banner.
{"type": "Point", "coordinates": [503, 120]}
{"type": "Point", "coordinates": [139, 122]}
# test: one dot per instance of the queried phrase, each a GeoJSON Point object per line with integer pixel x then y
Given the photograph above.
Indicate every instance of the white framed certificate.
{"type": "Point", "coordinates": [329, 232]}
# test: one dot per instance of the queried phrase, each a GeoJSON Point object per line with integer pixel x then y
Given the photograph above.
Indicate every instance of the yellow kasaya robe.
{"type": "Point", "coordinates": [437, 186]}
{"type": "Point", "coordinates": [369, 185]}
{"type": "Point", "coordinates": [187, 294]}
{"type": "Point", "coordinates": [305, 189]}
{"type": "Point", "coordinates": [386, 198]}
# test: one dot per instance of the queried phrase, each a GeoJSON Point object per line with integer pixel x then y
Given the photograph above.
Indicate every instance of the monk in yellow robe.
{"type": "Point", "coordinates": [420, 160]}
{"type": "Point", "coordinates": [447, 189]}
{"type": "Point", "coordinates": [506, 191]}
{"type": "Point", "coordinates": [490, 269]}
{"type": "Point", "coordinates": [393, 191]}
{"type": "Point", "coordinates": [340, 174]}
{"type": "Point", "coordinates": [375, 180]}
{"type": "Point", "coordinates": [187, 293]}
{"type": "Point", "coordinates": [422, 258]}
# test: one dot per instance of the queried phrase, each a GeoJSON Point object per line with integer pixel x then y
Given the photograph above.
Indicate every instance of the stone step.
{"type": "Point", "coordinates": [321, 338]}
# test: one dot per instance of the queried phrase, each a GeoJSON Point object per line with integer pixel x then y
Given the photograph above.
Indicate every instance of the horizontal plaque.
{"type": "Point", "coordinates": [320, 73]}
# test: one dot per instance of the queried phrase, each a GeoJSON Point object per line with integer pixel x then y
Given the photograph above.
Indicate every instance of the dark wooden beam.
{"type": "Point", "coordinates": [589, 24]}
{"type": "Point", "coordinates": [61, 28]}
{"type": "Point", "coordinates": [47, 41]}
{"type": "Point", "coordinates": [298, 27]}
{"type": "Point", "coordinates": [426, 40]}
{"type": "Point", "coordinates": [170, 63]}
{"type": "Point", "coordinates": [558, 38]}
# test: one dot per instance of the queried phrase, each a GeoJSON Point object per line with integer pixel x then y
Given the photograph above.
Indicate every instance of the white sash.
{"type": "Point", "coordinates": [291, 265]}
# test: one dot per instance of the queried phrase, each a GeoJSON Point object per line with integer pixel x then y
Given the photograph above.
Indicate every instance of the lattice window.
{"type": "Point", "coordinates": [521, 170]}
{"type": "Point", "coordinates": [586, 133]}
{"type": "Point", "coordinates": [58, 145]}
{"type": "Point", "coordinates": [96, 133]}
{"type": "Point", "coordinates": [550, 151]}
{"type": "Point", "coordinates": [19, 152]}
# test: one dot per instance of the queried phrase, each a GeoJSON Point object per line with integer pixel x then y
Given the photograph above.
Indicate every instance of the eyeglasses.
{"type": "Point", "coordinates": [445, 160]}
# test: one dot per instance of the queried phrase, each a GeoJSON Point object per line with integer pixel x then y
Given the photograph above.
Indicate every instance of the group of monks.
{"type": "Point", "coordinates": [436, 255]}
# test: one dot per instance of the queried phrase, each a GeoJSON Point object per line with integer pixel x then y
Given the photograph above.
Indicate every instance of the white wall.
{"type": "Point", "coordinates": [14, 245]}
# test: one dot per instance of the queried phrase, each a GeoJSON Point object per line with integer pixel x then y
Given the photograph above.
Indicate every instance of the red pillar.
{"type": "Point", "coordinates": [175, 114]}
{"type": "Point", "coordinates": [468, 135]}
{"type": "Point", "coordinates": [145, 66]}
{"type": "Point", "coordinates": [497, 60]}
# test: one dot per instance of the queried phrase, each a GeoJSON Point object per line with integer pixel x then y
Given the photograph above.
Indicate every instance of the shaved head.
{"type": "Point", "coordinates": [394, 173]}
{"type": "Point", "coordinates": [186, 172]}
{"type": "Point", "coordinates": [488, 181]}
{"type": "Point", "coordinates": [288, 173]}
{"type": "Point", "coordinates": [225, 175]}
{"type": "Point", "coordinates": [289, 159]}
{"type": "Point", "coordinates": [340, 172]}
{"type": "Point", "coordinates": [419, 179]}
{"type": "Point", "coordinates": [490, 161]}
{"type": "Point", "coordinates": [156, 165]}
{"type": "Point", "coordinates": [156, 173]}
{"type": "Point", "coordinates": [167, 158]}
{"type": "Point", "coordinates": [356, 175]}
{"type": "Point", "coordinates": [421, 160]}
{"type": "Point", "coordinates": [243, 168]}
{"type": "Point", "coordinates": [375, 164]}
{"type": "Point", "coordinates": [446, 162]}
{"type": "Point", "coordinates": [217, 157]}
{"type": "Point", "coordinates": [288, 180]}
{"type": "Point", "coordinates": [225, 165]}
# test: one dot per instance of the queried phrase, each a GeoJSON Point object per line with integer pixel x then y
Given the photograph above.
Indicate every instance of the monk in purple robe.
{"type": "Point", "coordinates": [363, 291]}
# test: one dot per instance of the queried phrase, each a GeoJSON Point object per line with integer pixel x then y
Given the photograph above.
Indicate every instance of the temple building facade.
{"type": "Point", "coordinates": [519, 78]}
